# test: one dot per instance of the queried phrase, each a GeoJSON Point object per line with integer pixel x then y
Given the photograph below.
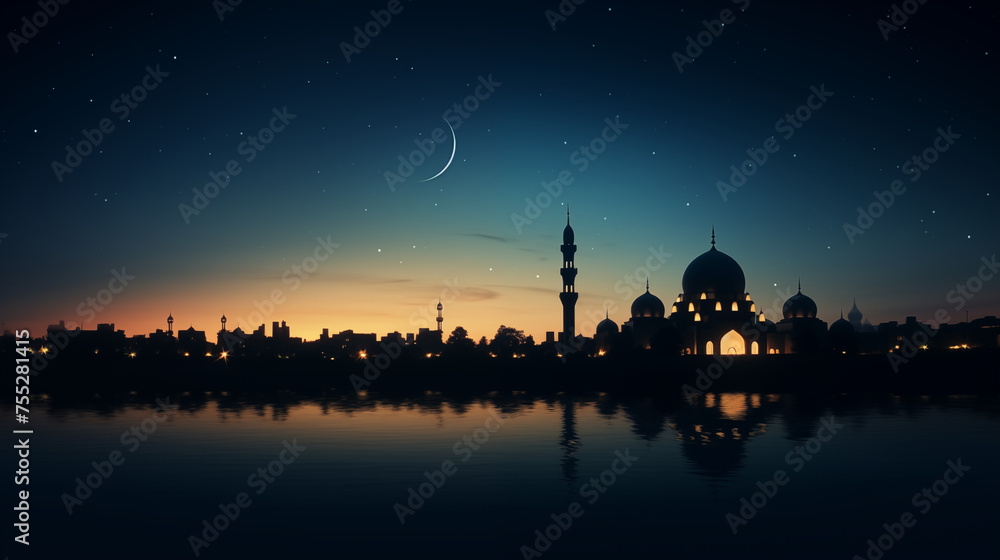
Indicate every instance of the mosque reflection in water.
{"type": "Point", "coordinates": [713, 430]}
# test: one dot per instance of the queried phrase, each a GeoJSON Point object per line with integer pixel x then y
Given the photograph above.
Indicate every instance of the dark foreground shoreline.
{"type": "Point", "coordinates": [973, 371]}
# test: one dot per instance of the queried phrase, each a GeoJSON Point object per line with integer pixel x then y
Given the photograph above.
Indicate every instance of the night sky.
{"type": "Point", "coordinates": [199, 88]}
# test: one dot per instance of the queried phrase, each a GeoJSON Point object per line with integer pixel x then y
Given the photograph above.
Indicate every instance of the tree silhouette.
{"type": "Point", "coordinates": [507, 341]}
{"type": "Point", "coordinates": [459, 339]}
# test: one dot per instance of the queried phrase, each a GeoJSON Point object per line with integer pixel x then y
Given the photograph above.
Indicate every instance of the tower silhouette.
{"type": "Point", "coordinates": [223, 321]}
{"type": "Point", "coordinates": [568, 296]}
{"type": "Point", "coordinates": [440, 319]}
{"type": "Point", "coordinates": [170, 324]}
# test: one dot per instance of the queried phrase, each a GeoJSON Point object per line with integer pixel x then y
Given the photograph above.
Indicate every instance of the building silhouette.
{"type": "Point", "coordinates": [193, 342]}
{"type": "Point", "coordinates": [607, 331]}
{"type": "Point", "coordinates": [799, 331]}
{"type": "Point", "coordinates": [648, 318]}
{"type": "Point", "coordinates": [843, 337]}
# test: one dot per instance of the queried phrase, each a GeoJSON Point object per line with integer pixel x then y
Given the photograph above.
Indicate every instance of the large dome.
{"type": "Point", "coordinates": [798, 306]}
{"type": "Point", "coordinates": [647, 305]}
{"type": "Point", "coordinates": [714, 272]}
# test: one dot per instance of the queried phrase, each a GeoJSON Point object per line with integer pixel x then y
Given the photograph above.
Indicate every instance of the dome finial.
{"type": "Point", "coordinates": [647, 283]}
{"type": "Point", "coordinates": [606, 313]}
{"type": "Point", "coordinates": [800, 285]}
{"type": "Point", "coordinates": [713, 236]}
{"type": "Point", "coordinates": [567, 214]}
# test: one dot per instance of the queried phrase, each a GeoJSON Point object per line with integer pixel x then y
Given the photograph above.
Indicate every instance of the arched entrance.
{"type": "Point", "coordinates": [733, 343]}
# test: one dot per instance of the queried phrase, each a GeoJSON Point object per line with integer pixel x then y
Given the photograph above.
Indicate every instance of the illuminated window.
{"type": "Point", "coordinates": [754, 348]}
{"type": "Point", "coordinates": [690, 307]}
{"type": "Point", "coordinates": [761, 318]}
{"type": "Point", "coordinates": [753, 308]}
{"type": "Point", "coordinates": [703, 295]}
{"type": "Point", "coordinates": [718, 306]}
{"type": "Point", "coordinates": [697, 316]}
{"type": "Point", "coordinates": [748, 296]}
{"type": "Point", "coordinates": [709, 347]}
{"type": "Point", "coordinates": [673, 309]}
{"type": "Point", "coordinates": [735, 307]}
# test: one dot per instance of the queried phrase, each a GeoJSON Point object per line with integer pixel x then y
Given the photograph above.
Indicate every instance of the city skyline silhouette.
{"type": "Point", "coordinates": [589, 327]}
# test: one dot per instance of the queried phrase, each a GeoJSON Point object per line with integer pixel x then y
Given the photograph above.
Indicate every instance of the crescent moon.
{"type": "Point", "coordinates": [454, 144]}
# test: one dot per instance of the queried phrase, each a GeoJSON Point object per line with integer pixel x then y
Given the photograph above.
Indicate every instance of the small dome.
{"type": "Point", "coordinates": [714, 272]}
{"type": "Point", "coordinates": [799, 306]}
{"type": "Point", "coordinates": [842, 326]}
{"type": "Point", "coordinates": [647, 305]}
{"type": "Point", "coordinates": [607, 326]}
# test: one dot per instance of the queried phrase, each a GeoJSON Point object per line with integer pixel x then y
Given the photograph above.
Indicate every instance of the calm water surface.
{"type": "Point", "coordinates": [517, 459]}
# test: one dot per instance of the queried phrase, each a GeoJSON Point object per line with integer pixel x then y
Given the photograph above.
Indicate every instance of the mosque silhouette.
{"type": "Point", "coordinates": [713, 315]}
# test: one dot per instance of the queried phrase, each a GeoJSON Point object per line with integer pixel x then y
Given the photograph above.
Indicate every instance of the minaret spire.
{"type": "Point", "coordinates": [713, 236]}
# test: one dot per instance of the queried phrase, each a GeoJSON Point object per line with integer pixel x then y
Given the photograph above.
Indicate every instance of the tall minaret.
{"type": "Point", "coordinates": [440, 319]}
{"type": "Point", "coordinates": [170, 324]}
{"type": "Point", "coordinates": [568, 296]}
{"type": "Point", "coordinates": [223, 321]}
